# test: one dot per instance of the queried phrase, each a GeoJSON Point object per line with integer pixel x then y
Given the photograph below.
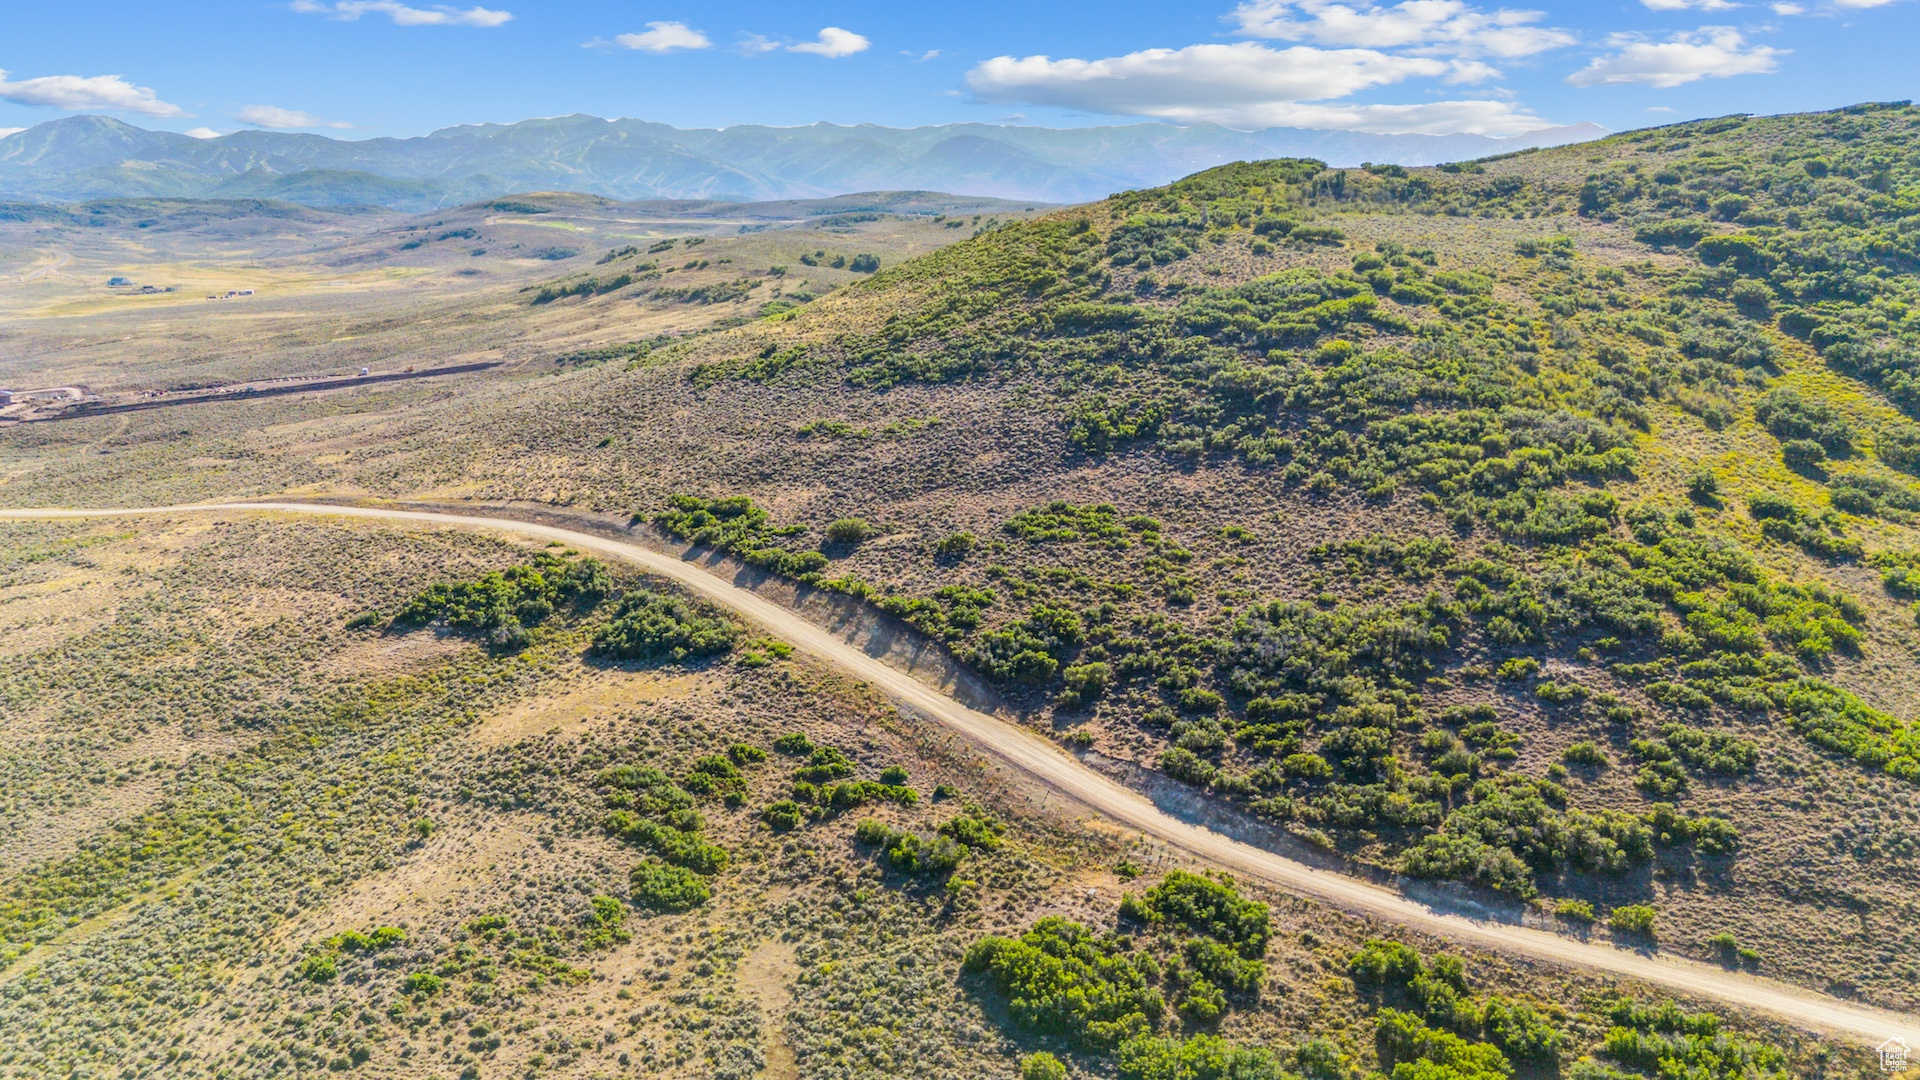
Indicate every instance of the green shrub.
{"type": "Point", "coordinates": [850, 530]}
{"type": "Point", "coordinates": [683, 847]}
{"type": "Point", "coordinates": [1223, 967]}
{"type": "Point", "coordinates": [956, 547]}
{"type": "Point", "coordinates": [1042, 1066]}
{"type": "Point", "coordinates": [1186, 766]}
{"type": "Point", "coordinates": [652, 626]}
{"type": "Point", "coordinates": [1381, 962]}
{"type": "Point", "coordinates": [1030, 650]}
{"type": "Point", "coordinates": [1083, 683]}
{"type": "Point", "coordinates": [735, 525]}
{"type": "Point", "coordinates": [1633, 919]}
{"type": "Point", "coordinates": [825, 763]}
{"type": "Point", "coordinates": [716, 775]}
{"type": "Point", "coordinates": [608, 910]}
{"type": "Point", "coordinates": [1419, 1052]}
{"type": "Point", "coordinates": [1662, 1040]}
{"type": "Point", "coordinates": [783, 816]}
{"type": "Point", "coordinates": [1520, 1031]}
{"type": "Point", "coordinates": [501, 605]}
{"type": "Point", "coordinates": [1201, 1057]}
{"type": "Point", "coordinates": [664, 887]}
{"type": "Point", "coordinates": [974, 829]}
{"type": "Point", "coordinates": [1788, 415]}
{"type": "Point", "coordinates": [1577, 911]}
{"type": "Point", "coordinates": [1060, 978]}
{"type": "Point", "coordinates": [1803, 454]}
{"type": "Point", "coordinates": [1204, 906]}
{"type": "Point", "coordinates": [1584, 752]}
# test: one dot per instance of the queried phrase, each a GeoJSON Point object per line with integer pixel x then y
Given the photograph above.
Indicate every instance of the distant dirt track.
{"type": "Point", "coordinates": [60, 259]}
{"type": "Point", "coordinates": [83, 411]}
{"type": "Point", "coordinates": [1042, 760]}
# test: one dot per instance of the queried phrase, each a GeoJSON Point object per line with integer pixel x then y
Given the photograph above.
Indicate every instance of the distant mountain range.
{"type": "Point", "coordinates": [96, 157]}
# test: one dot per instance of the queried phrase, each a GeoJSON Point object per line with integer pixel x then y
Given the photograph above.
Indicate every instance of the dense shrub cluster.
{"type": "Point", "coordinates": [1110, 992]}
{"type": "Point", "coordinates": [1661, 1041]}
{"type": "Point", "coordinates": [738, 527]}
{"type": "Point", "coordinates": [501, 605]}
{"type": "Point", "coordinates": [1203, 905]}
{"type": "Point", "coordinates": [648, 625]}
{"type": "Point", "coordinates": [1061, 978]}
{"type": "Point", "coordinates": [649, 810]}
{"type": "Point", "coordinates": [1451, 1033]}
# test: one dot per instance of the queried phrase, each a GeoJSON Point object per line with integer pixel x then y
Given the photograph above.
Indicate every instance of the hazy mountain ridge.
{"type": "Point", "coordinates": [94, 157]}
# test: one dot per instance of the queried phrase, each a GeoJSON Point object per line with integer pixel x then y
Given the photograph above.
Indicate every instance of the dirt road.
{"type": "Point", "coordinates": [60, 259]}
{"type": "Point", "coordinates": [1041, 759]}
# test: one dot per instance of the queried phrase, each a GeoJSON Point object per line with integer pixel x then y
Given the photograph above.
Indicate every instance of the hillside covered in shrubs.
{"type": "Point", "coordinates": [1523, 524]}
{"type": "Point", "coordinates": [1539, 533]}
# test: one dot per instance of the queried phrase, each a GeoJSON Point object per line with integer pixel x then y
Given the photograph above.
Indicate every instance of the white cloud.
{"type": "Point", "coordinates": [1470, 71]}
{"type": "Point", "coordinates": [201, 133]}
{"type": "Point", "coordinates": [1198, 76]}
{"type": "Point", "coordinates": [76, 92]}
{"type": "Point", "coordinates": [1472, 117]}
{"type": "Point", "coordinates": [273, 116]}
{"type": "Point", "coordinates": [833, 43]}
{"type": "Point", "coordinates": [1246, 85]}
{"type": "Point", "coordinates": [402, 15]}
{"type": "Point", "coordinates": [4, 132]}
{"type": "Point", "coordinates": [1690, 5]}
{"type": "Point", "coordinates": [665, 37]}
{"type": "Point", "coordinates": [1830, 7]}
{"type": "Point", "coordinates": [1421, 26]}
{"type": "Point", "coordinates": [1711, 52]}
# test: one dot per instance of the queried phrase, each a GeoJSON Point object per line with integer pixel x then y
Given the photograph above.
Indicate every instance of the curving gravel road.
{"type": "Point", "coordinates": [1041, 759]}
{"type": "Point", "coordinates": [60, 259]}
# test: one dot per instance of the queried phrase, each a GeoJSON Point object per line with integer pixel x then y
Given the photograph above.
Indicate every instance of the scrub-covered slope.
{"type": "Point", "coordinates": [1541, 525]}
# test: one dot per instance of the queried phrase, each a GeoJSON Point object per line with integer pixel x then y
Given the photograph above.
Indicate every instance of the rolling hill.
{"type": "Point", "coordinates": [1536, 536]}
{"type": "Point", "coordinates": [94, 157]}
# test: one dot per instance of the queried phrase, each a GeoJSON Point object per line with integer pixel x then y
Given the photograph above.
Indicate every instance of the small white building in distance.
{"type": "Point", "coordinates": [6, 398]}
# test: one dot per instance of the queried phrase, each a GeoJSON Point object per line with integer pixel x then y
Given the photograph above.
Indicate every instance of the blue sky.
{"type": "Point", "coordinates": [362, 68]}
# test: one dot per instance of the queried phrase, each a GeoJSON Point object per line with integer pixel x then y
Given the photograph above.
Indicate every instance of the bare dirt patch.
{"type": "Point", "coordinates": [605, 694]}
{"type": "Point", "coordinates": [766, 977]}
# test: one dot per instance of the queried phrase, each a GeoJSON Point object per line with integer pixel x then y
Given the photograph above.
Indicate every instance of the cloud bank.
{"type": "Point", "coordinates": [273, 116]}
{"type": "Point", "coordinates": [402, 15]}
{"type": "Point", "coordinates": [79, 93]}
{"type": "Point", "coordinates": [1251, 85]}
{"type": "Point", "coordinates": [1434, 27]}
{"type": "Point", "coordinates": [1711, 52]}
